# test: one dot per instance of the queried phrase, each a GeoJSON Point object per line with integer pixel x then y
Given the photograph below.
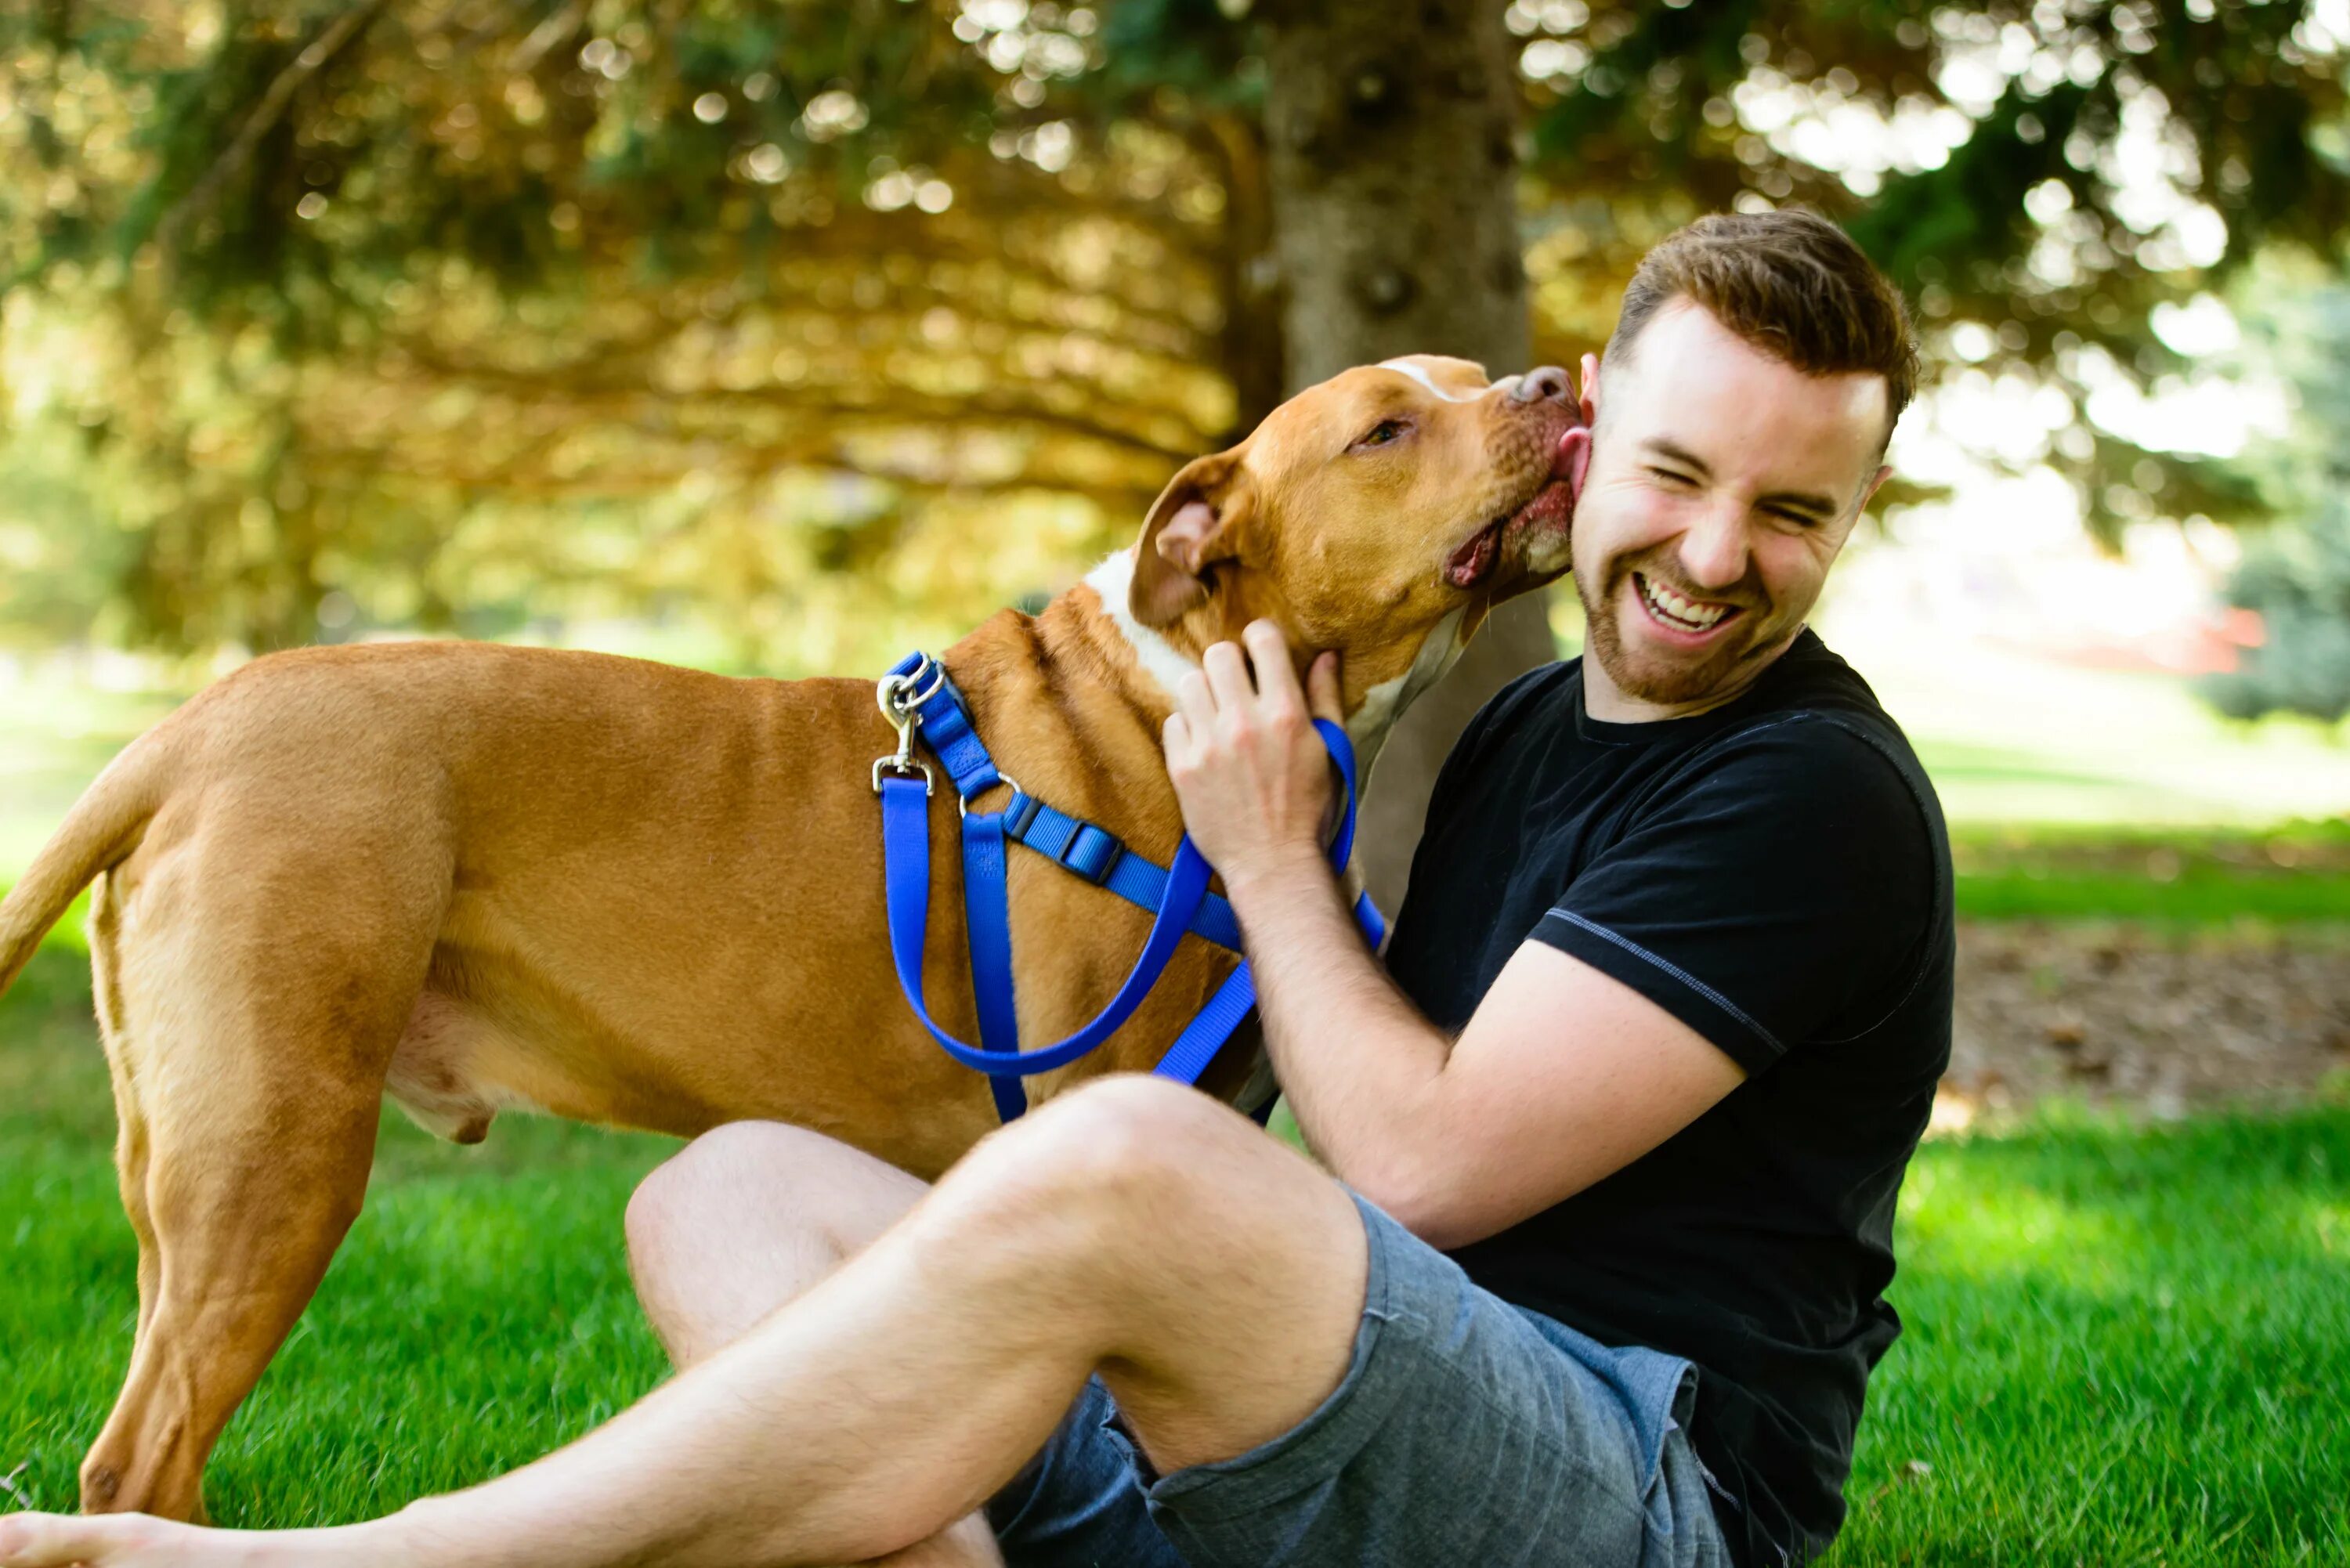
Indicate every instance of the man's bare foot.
{"type": "Point", "coordinates": [113, 1541]}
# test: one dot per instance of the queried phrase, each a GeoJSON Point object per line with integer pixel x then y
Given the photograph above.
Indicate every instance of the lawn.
{"type": "Point", "coordinates": [2175, 878]}
{"type": "Point", "coordinates": [2124, 1345]}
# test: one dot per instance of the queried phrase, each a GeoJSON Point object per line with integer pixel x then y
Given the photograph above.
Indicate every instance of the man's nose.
{"type": "Point", "coordinates": [1713, 551]}
{"type": "Point", "coordinates": [1544, 383]}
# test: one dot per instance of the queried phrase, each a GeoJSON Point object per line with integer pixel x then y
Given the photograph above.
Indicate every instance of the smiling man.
{"type": "Point", "coordinates": [1592, 1273]}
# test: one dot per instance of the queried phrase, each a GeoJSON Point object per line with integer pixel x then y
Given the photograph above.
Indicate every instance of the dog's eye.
{"type": "Point", "coordinates": [1383, 433]}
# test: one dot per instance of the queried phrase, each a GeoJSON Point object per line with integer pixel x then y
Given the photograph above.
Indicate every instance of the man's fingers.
{"type": "Point", "coordinates": [1228, 675]}
{"type": "Point", "coordinates": [1175, 735]}
{"type": "Point", "coordinates": [1322, 693]}
{"type": "Point", "coordinates": [1276, 677]}
{"type": "Point", "coordinates": [1195, 701]}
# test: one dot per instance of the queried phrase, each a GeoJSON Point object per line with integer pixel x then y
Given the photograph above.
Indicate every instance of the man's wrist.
{"type": "Point", "coordinates": [1288, 867]}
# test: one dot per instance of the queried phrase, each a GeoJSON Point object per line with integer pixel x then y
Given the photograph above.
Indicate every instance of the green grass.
{"type": "Point", "coordinates": [2168, 877]}
{"type": "Point", "coordinates": [2126, 1345]}
{"type": "Point", "coordinates": [479, 1315]}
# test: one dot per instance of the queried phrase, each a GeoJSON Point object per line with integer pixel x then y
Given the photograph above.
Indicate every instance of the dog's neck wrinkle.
{"type": "Point", "coordinates": [1076, 636]}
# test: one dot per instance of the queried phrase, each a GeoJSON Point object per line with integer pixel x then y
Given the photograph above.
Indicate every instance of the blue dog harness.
{"type": "Point", "coordinates": [919, 700]}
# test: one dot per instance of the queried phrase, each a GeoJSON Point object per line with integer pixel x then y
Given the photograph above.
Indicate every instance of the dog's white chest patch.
{"type": "Point", "coordinates": [1114, 581]}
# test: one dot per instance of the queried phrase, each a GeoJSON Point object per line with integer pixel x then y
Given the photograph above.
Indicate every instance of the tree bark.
{"type": "Point", "coordinates": [1393, 167]}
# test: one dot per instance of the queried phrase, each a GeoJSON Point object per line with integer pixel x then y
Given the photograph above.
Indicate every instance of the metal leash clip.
{"type": "Point", "coordinates": [899, 701]}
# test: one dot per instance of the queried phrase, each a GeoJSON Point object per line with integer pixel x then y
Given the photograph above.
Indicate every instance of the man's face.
{"type": "Point", "coordinates": [1722, 484]}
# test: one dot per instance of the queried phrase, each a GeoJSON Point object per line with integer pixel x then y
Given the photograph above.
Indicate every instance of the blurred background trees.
{"type": "Point", "coordinates": [826, 328]}
{"type": "Point", "coordinates": [2295, 573]}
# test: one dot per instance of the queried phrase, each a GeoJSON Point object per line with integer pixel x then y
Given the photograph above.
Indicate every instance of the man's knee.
{"type": "Point", "coordinates": [1129, 1138]}
{"type": "Point", "coordinates": [1121, 1162]}
{"type": "Point", "coordinates": [713, 1183]}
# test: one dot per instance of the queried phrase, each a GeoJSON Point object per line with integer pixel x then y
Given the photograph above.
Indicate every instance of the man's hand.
{"type": "Point", "coordinates": [1252, 775]}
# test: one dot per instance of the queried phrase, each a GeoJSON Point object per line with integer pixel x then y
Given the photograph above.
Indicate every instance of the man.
{"type": "Point", "coordinates": [1660, 1025]}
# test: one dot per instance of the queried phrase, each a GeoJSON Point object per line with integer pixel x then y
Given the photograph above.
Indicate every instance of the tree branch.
{"type": "Point", "coordinates": [266, 115]}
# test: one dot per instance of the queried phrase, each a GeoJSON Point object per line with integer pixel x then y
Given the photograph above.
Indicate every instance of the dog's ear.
{"type": "Point", "coordinates": [1192, 526]}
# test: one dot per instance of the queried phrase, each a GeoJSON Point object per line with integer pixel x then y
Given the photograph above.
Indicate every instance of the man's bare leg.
{"type": "Point", "coordinates": [750, 1216]}
{"type": "Point", "coordinates": [1129, 1227]}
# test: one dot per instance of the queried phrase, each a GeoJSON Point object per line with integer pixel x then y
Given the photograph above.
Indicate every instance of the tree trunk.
{"type": "Point", "coordinates": [1394, 171]}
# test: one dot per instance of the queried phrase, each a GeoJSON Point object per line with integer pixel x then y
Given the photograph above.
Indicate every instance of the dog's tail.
{"type": "Point", "coordinates": [103, 827]}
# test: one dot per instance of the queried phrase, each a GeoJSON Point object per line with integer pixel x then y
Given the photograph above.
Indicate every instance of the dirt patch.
{"type": "Point", "coordinates": [2142, 1020]}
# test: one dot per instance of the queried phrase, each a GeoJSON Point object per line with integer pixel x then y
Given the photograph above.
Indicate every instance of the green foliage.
{"type": "Point", "coordinates": [2295, 574]}
{"type": "Point", "coordinates": [318, 317]}
{"type": "Point", "coordinates": [2297, 579]}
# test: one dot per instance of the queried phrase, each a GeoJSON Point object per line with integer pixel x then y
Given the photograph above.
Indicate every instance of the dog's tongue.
{"type": "Point", "coordinates": [1553, 504]}
{"type": "Point", "coordinates": [1467, 565]}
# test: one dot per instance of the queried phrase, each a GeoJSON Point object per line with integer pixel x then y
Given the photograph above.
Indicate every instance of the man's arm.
{"type": "Point", "coordinates": [1564, 1075]}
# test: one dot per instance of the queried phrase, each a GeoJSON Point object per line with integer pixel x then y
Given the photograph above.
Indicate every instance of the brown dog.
{"type": "Point", "coordinates": [483, 878]}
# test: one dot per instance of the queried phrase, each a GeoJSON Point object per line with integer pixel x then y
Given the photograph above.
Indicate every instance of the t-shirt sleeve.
{"type": "Point", "coordinates": [1782, 890]}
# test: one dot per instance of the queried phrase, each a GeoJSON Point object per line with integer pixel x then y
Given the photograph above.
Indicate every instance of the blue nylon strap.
{"type": "Point", "coordinates": [1079, 846]}
{"type": "Point", "coordinates": [1178, 898]}
{"type": "Point", "coordinates": [987, 916]}
{"type": "Point", "coordinates": [947, 728]}
{"type": "Point", "coordinates": [1236, 997]}
{"type": "Point", "coordinates": [906, 848]}
{"type": "Point", "coordinates": [1206, 1033]}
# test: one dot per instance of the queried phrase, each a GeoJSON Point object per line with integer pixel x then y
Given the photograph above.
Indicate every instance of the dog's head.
{"type": "Point", "coordinates": [1389, 503]}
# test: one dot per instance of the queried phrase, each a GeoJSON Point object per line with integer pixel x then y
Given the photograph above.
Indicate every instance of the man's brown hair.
{"type": "Point", "coordinates": [1792, 284]}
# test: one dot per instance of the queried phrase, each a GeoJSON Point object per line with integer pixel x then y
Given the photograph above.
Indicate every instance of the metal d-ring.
{"type": "Point", "coordinates": [963, 801]}
{"type": "Point", "coordinates": [902, 696]}
{"type": "Point", "coordinates": [938, 673]}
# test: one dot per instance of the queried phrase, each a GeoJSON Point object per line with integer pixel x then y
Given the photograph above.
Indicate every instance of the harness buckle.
{"type": "Point", "coordinates": [1092, 853]}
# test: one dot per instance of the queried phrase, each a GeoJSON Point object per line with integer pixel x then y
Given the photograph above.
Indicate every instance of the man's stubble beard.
{"type": "Point", "coordinates": [1675, 684]}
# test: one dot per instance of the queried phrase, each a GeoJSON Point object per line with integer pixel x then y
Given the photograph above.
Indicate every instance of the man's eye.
{"type": "Point", "coordinates": [1671, 477]}
{"type": "Point", "coordinates": [1382, 432]}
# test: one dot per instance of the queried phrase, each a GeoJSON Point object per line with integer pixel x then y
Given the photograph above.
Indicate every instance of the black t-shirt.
{"type": "Point", "coordinates": [1775, 874]}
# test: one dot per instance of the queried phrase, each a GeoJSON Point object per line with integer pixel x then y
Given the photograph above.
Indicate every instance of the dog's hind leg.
{"type": "Point", "coordinates": [249, 1047]}
{"type": "Point", "coordinates": [131, 1122]}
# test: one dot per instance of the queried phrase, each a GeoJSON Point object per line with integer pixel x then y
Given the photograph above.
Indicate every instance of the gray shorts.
{"type": "Point", "coordinates": [1465, 1430]}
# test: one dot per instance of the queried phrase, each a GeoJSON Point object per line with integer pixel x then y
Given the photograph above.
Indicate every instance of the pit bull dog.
{"type": "Point", "coordinates": [481, 878]}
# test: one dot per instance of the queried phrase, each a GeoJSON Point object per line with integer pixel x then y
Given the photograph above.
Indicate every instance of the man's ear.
{"type": "Point", "coordinates": [1876, 484]}
{"type": "Point", "coordinates": [1578, 442]}
{"type": "Point", "coordinates": [1192, 526]}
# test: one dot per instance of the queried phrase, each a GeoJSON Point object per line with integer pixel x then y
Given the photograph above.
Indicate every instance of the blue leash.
{"type": "Point", "coordinates": [919, 700]}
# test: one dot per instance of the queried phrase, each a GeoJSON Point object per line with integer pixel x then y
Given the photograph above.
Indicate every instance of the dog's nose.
{"type": "Point", "coordinates": [1543, 381]}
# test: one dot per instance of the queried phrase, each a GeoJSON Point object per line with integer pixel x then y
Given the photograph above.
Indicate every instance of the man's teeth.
{"type": "Point", "coordinates": [1677, 610]}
